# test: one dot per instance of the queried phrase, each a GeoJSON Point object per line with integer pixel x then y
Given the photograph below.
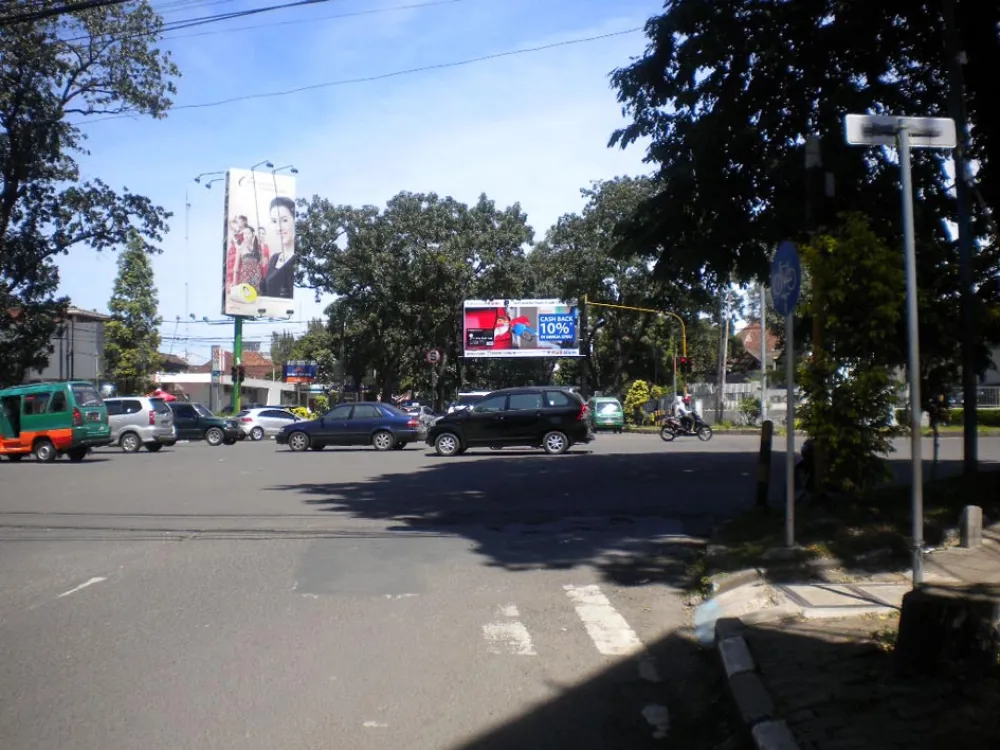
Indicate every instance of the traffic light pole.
{"type": "Point", "coordinates": [237, 361]}
{"type": "Point", "coordinates": [684, 340]}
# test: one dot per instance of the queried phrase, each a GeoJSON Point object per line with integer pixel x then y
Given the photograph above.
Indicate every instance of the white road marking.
{"type": "Point", "coordinates": [83, 585]}
{"type": "Point", "coordinates": [510, 610]}
{"type": "Point", "coordinates": [608, 630]}
{"type": "Point", "coordinates": [508, 638]}
{"type": "Point", "coordinates": [374, 724]}
{"type": "Point", "coordinates": [659, 718]}
{"type": "Point", "coordinates": [398, 596]}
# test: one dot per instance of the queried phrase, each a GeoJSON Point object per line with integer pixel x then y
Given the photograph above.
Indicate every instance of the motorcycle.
{"type": "Point", "coordinates": [692, 424]}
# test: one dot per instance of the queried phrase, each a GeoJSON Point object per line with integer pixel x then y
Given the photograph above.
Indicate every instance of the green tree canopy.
{"type": "Point", "coordinates": [132, 336]}
{"type": "Point", "coordinates": [56, 73]}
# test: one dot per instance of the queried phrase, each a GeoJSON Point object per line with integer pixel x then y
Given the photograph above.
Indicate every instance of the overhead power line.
{"type": "Point", "coordinates": [58, 10]}
{"type": "Point", "coordinates": [383, 76]}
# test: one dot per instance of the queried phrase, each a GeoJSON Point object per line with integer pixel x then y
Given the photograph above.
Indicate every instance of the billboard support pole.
{"type": "Point", "coordinates": [237, 360]}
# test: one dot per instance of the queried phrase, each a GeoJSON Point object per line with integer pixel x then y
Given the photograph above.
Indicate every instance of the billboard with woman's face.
{"type": "Point", "coordinates": [259, 251]}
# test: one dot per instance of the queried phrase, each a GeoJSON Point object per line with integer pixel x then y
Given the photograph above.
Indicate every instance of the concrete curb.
{"type": "Point", "coordinates": [753, 701]}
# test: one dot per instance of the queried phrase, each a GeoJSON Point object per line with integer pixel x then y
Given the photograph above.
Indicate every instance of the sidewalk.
{"type": "Point", "coordinates": [816, 660]}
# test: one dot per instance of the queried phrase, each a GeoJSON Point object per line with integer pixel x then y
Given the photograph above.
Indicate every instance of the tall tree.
{"type": "Point", "coordinates": [55, 74]}
{"type": "Point", "coordinates": [132, 336]}
{"type": "Point", "coordinates": [318, 344]}
{"type": "Point", "coordinates": [726, 94]}
{"type": "Point", "coordinates": [576, 259]}
{"type": "Point", "coordinates": [282, 345]}
{"type": "Point", "coordinates": [402, 273]}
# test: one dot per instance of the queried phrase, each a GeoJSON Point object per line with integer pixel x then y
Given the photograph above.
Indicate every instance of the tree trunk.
{"type": "Point", "coordinates": [947, 628]}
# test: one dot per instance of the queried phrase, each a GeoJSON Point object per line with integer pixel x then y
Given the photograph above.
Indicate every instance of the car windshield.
{"type": "Point", "coordinates": [609, 407]}
{"type": "Point", "coordinates": [86, 395]}
{"type": "Point", "coordinates": [202, 411]}
{"type": "Point", "coordinates": [468, 400]}
{"type": "Point", "coordinates": [243, 412]}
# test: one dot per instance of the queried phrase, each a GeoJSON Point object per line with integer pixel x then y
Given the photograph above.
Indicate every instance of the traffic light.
{"type": "Point", "coordinates": [684, 364]}
{"type": "Point", "coordinates": [238, 373]}
{"type": "Point", "coordinates": [232, 373]}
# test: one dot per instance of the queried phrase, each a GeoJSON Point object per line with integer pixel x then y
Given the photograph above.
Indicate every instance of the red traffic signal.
{"type": "Point", "coordinates": [684, 364]}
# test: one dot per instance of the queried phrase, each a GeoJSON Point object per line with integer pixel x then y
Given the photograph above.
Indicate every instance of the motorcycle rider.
{"type": "Point", "coordinates": [682, 411]}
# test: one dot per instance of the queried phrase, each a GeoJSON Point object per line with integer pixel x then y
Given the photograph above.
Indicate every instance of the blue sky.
{"type": "Point", "coordinates": [531, 128]}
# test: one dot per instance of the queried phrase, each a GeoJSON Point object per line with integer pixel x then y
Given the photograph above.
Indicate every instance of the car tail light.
{"type": "Point", "coordinates": [152, 417]}
{"type": "Point", "coordinates": [583, 413]}
{"type": "Point", "coordinates": [413, 423]}
{"type": "Point", "coordinates": [77, 418]}
{"type": "Point", "coordinates": [246, 419]}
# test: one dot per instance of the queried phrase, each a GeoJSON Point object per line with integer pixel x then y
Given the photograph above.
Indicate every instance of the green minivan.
{"type": "Point", "coordinates": [606, 413]}
{"type": "Point", "coordinates": [48, 420]}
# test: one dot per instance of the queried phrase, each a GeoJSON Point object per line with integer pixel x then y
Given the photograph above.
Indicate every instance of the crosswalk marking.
{"type": "Point", "coordinates": [608, 630]}
{"type": "Point", "coordinates": [508, 636]}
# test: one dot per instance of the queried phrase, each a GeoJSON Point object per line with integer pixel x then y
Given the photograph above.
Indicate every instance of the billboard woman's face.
{"type": "Point", "coordinates": [284, 225]}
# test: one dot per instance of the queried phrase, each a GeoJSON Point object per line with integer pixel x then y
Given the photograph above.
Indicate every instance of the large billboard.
{"type": "Point", "coordinates": [521, 328]}
{"type": "Point", "coordinates": [259, 253]}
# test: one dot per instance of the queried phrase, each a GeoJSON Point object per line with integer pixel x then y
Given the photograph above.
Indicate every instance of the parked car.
{"type": "Point", "coordinates": [550, 418]}
{"type": "Point", "coordinates": [138, 421]}
{"type": "Point", "coordinates": [425, 414]}
{"type": "Point", "coordinates": [606, 413]}
{"type": "Point", "coordinates": [195, 422]}
{"type": "Point", "coordinates": [259, 423]}
{"type": "Point", "coordinates": [382, 426]}
{"type": "Point", "coordinates": [48, 420]}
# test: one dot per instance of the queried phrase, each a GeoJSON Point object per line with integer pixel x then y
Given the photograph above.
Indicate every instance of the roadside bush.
{"type": "Point", "coordinates": [637, 397]}
{"type": "Point", "coordinates": [301, 412]}
{"type": "Point", "coordinates": [750, 409]}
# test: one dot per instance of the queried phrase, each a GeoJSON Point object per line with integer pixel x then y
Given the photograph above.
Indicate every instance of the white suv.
{"type": "Point", "coordinates": [263, 422]}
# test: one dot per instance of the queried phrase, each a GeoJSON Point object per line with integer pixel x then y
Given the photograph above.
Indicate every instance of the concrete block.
{"type": "Point", "coordinates": [752, 699]}
{"type": "Point", "coordinates": [728, 627]}
{"type": "Point", "coordinates": [774, 735]}
{"type": "Point", "coordinates": [971, 527]}
{"type": "Point", "coordinates": [736, 657]}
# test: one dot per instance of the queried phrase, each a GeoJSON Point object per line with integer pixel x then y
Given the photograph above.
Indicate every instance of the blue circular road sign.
{"type": "Point", "coordinates": [786, 278]}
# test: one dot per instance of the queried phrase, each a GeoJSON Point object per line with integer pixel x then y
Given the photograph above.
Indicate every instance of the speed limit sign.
{"type": "Point", "coordinates": [433, 356]}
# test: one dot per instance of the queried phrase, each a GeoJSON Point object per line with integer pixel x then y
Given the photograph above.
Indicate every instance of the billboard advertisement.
{"type": "Point", "coordinates": [300, 371]}
{"type": "Point", "coordinates": [521, 328]}
{"type": "Point", "coordinates": [259, 252]}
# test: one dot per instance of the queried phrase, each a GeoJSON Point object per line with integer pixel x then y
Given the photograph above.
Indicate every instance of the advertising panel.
{"type": "Point", "coordinates": [259, 249]}
{"type": "Point", "coordinates": [300, 371]}
{"type": "Point", "coordinates": [521, 328]}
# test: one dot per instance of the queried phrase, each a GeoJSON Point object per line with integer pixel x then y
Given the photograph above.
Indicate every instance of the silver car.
{"type": "Point", "coordinates": [138, 421]}
{"type": "Point", "coordinates": [268, 421]}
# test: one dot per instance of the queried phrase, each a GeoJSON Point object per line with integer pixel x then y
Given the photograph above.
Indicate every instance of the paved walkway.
{"type": "Point", "coordinates": [831, 677]}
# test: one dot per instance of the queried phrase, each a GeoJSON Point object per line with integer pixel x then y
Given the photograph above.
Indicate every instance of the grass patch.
{"type": "Point", "coordinates": [853, 530]}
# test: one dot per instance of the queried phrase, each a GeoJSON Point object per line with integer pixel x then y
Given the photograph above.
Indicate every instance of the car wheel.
{"type": "Point", "coordinates": [704, 433]}
{"type": "Point", "coordinates": [214, 436]}
{"type": "Point", "coordinates": [257, 433]}
{"type": "Point", "coordinates": [448, 444]}
{"type": "Point", "coordinates": [555, 443]}
{"type": "Point", "coordinates": [44, 451]}
{"type": "Point", "coordinates": [76, 455]}
{"type": "Point", "coordinates": [153, 447]}
{"type": "Point", "coordinates": [298, 441]}
{"type": "Point", "coordinates": [130, 442]}
{"type": "Point", "coordinates": [667, 434]}
{"type": "Point", "coordinates": [383, 440]}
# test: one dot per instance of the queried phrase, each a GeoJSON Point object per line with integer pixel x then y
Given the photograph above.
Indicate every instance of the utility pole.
{"type": "Point", "coordinates": [723, 349]}
{"type": "Point", "coordinates": [763, 354]}
{"type": "Point", "coordinates": [963, 181]}
{"type": "Point", "coordinates": [814, 218]}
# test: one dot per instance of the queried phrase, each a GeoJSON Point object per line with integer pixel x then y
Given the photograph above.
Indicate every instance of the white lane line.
{"type": "Point", "coordinates": [374, 724]}
{"type": "Point", "coordinates": [84, 585]}
{"type": "Point", "coordinates": [658, 718]}
{"type": "Point", "coordinates": [508, 636]}
{"type": "Point", "coordinates": [606, 627]}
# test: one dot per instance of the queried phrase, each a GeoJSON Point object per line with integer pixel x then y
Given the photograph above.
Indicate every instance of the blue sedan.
{"type": "Point", "coordinates": [382, 426]}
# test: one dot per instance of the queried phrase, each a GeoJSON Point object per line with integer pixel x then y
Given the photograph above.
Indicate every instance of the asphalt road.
{"type": "Point", "coordinates": [247, 597]}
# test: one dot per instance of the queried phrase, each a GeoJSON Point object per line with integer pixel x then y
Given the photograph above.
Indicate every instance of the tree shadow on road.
{"type": "Point", "coordinates": [638, 517]}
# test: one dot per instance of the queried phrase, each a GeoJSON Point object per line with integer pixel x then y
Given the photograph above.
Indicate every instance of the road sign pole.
{"type": "Point", "coordinates": [789, 432]}
{"type": "Point", "coordinates": [913, 333]}
{"type": "Point", "coordinates": [763, 354]}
